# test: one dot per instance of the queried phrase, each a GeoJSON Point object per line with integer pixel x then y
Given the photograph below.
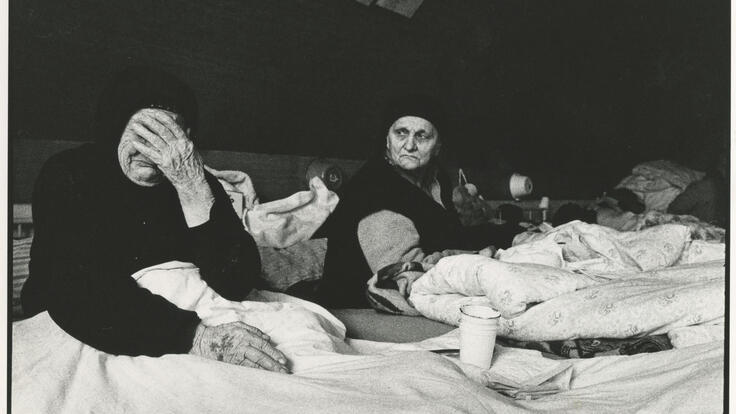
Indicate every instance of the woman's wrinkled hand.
{"type": "Point", "coordinates": [164, 142]}
{"type": "Point", "coordinates": [240, 344]}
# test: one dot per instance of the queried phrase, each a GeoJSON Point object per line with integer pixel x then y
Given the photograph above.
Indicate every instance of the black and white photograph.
{"type": "Point", "coordinates": [367, 206]}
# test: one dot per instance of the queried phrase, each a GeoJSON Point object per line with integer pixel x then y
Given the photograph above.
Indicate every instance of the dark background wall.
{"type": "Point", "coordinates": [572, 92]}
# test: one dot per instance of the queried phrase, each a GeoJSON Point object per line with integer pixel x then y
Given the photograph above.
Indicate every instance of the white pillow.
{"type": "Point", "coordinates": [509, 287]}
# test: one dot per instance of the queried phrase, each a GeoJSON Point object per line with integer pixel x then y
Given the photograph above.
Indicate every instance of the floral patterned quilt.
{"type": "Point", "coordinates": [605, 285]}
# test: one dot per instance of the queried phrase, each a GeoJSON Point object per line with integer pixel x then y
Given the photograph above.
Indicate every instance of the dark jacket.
{"type": "Point", "coordinates": [93, 228]}
{"type": "Point", "coordinates": [378, 187]}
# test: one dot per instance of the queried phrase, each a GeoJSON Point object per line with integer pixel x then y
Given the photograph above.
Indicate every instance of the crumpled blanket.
{"type": "Point", "coordinates": [384, 293]}
{"type": "Point", "coordinates": [580, 248]}
{"type": "Point", "coordinates": [593, 248]}
{"type": "Point", "coordinates": [283, 223]}
{"type": "Point", "coordinates": [509, 287]}
{"type": "Point", "coordinates": [311, 338]}
{"type": "Point", "coordinates": [390, 300]}
{"type": "Point", "coordinates": [296, 328]}
{"type": "Point", "coordinates": [627, 221]}
{"type": "Point", "coordinates": [53, 372]}
{"type": "Point", "coordinates": [646, 303]}
{"type": "Point", "coordinates": [304, 332]}
{"type": "Point", "coordinates": [659, 182]}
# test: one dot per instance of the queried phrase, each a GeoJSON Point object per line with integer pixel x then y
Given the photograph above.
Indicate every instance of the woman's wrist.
{"type": "Point", "coordinates": [196, 201]}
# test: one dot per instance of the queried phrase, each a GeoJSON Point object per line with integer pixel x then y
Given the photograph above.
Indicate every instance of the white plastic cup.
{"type": "Point", "coordinates": [478, 327]}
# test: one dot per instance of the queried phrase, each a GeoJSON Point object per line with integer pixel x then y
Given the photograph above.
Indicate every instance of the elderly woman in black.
{"type": "Point", "coordinates": [137, 197]}
{"type": "Point", "coordinates": [398, 208]}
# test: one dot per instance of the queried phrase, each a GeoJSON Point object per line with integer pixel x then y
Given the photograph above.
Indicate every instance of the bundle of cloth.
{"type": "Point", "coordinates": [280, 223]}
{"type": "Point", "coordinates": [283, 229]}
{"type": "Point", "coordinates": [658, 183]}
{"type": "Point", "coordinates": [577, 290]}
{"type": "Point", "coordinates": [630, 221]}
{"type": "Point", "coordinates": [660, 192]}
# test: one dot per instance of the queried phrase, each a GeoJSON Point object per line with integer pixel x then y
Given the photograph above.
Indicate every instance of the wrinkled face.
{"type": "Point", "coordinates": [136, 166]}
{"type": "Point", "coordinates": [412, 142]}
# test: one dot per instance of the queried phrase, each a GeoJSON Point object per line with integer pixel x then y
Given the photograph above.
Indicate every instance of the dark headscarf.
{"type": "Point", "coordinates": [136, 88]}
{"type": "Point", "coordinates": [131, 90]}
{"type": "Point", "coordinates": [422, 106]}
{"type": "Point", "coordinates": [419, 105]}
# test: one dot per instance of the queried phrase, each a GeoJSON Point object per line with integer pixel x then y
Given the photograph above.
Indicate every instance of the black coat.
{"type": "Point", "coordinates": [378, 187]}
{"type": "Point", "coordinates": [93, 228]}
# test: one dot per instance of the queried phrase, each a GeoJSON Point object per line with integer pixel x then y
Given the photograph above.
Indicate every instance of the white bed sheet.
{"type": "Point", "coordinates": [53, 372]}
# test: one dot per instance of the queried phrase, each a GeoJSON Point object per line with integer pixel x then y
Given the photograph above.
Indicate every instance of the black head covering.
{"type": "Point", "coordinates": [419, 105]}
{"type": "Point", "coordinates": [131, 90]}
{"type": "Point", "coordinates": [136, 88]}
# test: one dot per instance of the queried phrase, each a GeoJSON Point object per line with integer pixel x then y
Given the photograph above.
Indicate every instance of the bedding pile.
{"type": "Point", "coordinates": [594, 283]}
{"type": "Point", "coordinates": [53, 372]}
{"type": "Point", "coordinates": [659, 182]}
{"type": "Point", "coordinates": [628, 221]}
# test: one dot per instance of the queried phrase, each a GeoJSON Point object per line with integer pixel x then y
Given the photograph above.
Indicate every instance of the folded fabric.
{"type": "Point", "coordinates": [590, 348]}
{"type": "Point", "coordinates": [284, 222]}
{"type": "Point", "coordinates": [522, 374]}
{"type": "Point", "coordinates": [383, 291]}
{"type": "Point", "coordinates": [238, 182]}
{"type": "Point", "coordinates": [509, 287]}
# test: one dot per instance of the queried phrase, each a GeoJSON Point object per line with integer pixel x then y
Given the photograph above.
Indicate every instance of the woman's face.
{"type": "Point", "coordinates": [412, 142]}
{"type": "Point", "coordinates": [136, 166]}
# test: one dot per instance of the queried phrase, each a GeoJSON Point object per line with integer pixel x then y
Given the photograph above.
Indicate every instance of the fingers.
{"type": "Point", "coordinates": [241, 344]}
{"type": "Point", "coordinates": [149, 152]}
{"type": "Point", "coordinates": [148, 136]}
{"type": "Point", "coordinates": [162, 123]}
{"type": "Point", "coordinates": [171, 123]}
{"type": "Point", "coordinates": [263, 360]}
{"type": "Point", "coordinates": [258, 342]}
{"type": "Point", "coordinates": [150, 120]}
{"type": "Point", "coordinates": [255, 331]}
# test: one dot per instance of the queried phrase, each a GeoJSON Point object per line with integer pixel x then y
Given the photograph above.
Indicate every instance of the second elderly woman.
{"type": "Point", "coordinates": [398, 208]}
